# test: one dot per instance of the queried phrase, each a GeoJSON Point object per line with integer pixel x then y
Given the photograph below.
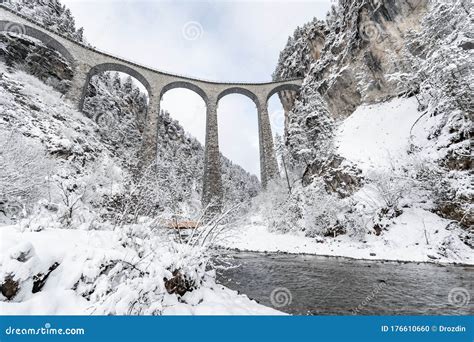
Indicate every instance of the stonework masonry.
{"type": "Point", "coordinates": [87, 62]}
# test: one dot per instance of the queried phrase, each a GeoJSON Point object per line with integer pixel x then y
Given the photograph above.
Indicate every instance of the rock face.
{"type": "Point", "coordinates": [370, 51]}
{"type": "Point", "coordinates": [37, 59]}
{"type": "Point", "coordinates": [303, 49]}
{"type": "Point", "coordinates": [339, 176]}
{"type": "Point", "coordinates": [363, 43]}
{"type": "Point", "coordinates": [9, 288]}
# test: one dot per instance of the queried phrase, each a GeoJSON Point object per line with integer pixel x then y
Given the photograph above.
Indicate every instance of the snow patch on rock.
{"type": "Point", "coordinates": [375, 136]}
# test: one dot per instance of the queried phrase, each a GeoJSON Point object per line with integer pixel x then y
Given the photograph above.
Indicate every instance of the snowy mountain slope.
{"type": "Point", "coordinates": [377, 136]}
{"type": "Point", "coordinates": [380, 130]}
{"type": "Point", "coordinates": [46, 139]}
{"type": "Point", "coordinates": [376, 51]}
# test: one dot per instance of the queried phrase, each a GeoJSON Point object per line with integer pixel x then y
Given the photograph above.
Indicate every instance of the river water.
{"type": "Point", "coordinates": [314, 285]}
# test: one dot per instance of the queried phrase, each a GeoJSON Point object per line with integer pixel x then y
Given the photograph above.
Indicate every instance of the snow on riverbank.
{"type": "Point", "coordinates": [79, 255]}
{"type": "Point", "coordinates": [377, 138]}
{"type": "Point", "coordinates": [405, 241]}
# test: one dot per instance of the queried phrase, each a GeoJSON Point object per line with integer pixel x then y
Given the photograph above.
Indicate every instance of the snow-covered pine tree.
{"type": "Point", "coordinates": [50, 13]}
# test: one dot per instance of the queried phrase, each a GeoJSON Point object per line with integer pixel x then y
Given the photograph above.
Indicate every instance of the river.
{"type": "Point", "coordinates": [314, 285]}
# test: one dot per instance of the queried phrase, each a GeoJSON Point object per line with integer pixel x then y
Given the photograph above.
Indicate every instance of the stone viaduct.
{"type": "Point", "coordinates": [87, 62]}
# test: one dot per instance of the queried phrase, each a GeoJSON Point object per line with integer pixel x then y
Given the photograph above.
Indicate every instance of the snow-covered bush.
{"type": "Point", "coordinates": [389, 187]}
{"type": "Point", "coordinates": [144, 271]}
{"type": "Point", "coordinates": [24, 170]}
{"type": "Point", "coordinates": [323, 212]}
{"type": "Point", "coordinates": [163, 268]}
{"type": "Point", "coordinates": [147, 268]}
{"type": "Point", "coordinates": [311, 210]}
{"type": "Point", "coordinates": [278, 208]}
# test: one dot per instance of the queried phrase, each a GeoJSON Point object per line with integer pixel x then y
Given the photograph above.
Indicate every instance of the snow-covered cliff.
{"type": "Point", "coordinates": [382, 124]}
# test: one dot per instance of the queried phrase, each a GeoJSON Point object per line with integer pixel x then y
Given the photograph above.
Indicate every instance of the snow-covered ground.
{"type": "Point", "coordinates": [376, 138]}
{"type": "Point", "coordinates": [80, 254]}
{"type": "Point", "coordinates": [405, 241]}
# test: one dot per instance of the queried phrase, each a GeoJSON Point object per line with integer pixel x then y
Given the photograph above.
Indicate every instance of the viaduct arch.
{"type": "Point", "coordinates": [87, 62]}
{"type": "Point", "coordinates": [100, 68]}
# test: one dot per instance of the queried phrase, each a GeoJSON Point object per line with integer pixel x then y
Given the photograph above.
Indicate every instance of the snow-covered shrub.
{"type": "Point", "coordinates": [390, 187]}
{"type": "Point", "coordinates": [142, 197]}
{"type": "Point", "coordinates": [382, 199]}
{"type": "Point", "coordinates": [121, 287]}
{"type": "Point", "coordinates": [160, 269]}
{"type": "Point", "coordinates": [356, 220]}
{"type": "Point", "coordinates": [23, 175]}
{"type": "Point", "coordinates": [323, 212]}
{"type": "Point", "coordinates": [450, 192]}
{"type": "Point", "coordinates": [72, 195]}
{"type": "Point", "coordinates": [279, 208]}
{"type": "Point", "coordinates": [311, 209]}
{"type": "Point", "coordinates": [164, 277]}
{"type": "Point", "coordinates": [45, 215]}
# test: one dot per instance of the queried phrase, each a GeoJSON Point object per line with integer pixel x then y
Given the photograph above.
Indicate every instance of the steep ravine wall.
{"type": "Point", "coordinates": [356, 50]}
{"type": "Point", "coordinates": [375, 51]}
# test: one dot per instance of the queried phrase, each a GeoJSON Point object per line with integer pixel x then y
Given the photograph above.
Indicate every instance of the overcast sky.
{"type": "Point", "coordinates": [216, 40]}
